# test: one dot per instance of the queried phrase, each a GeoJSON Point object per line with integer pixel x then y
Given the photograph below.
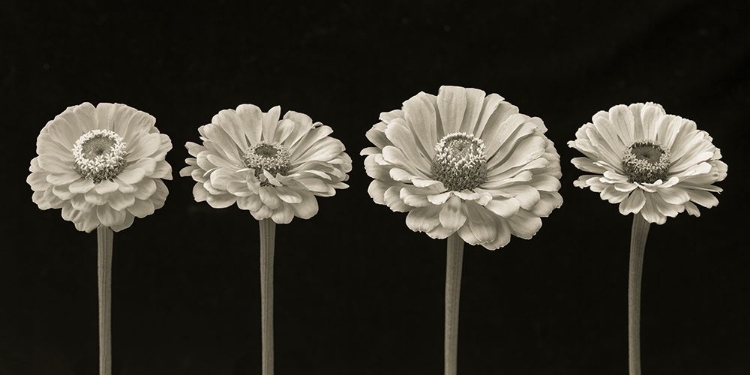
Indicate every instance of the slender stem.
{"type": "Point", "coordinates": [453, 265]}
{"type": "Point", "coordinates": [637, 249]}
{"type": "Point", "coordinates": [267, 240]}
{"type": "Point", "coordinates": [104, 237]}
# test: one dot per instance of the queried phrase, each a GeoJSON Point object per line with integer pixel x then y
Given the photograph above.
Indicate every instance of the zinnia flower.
{"type": "Point", "coordinates": [270, 167]}
{"type": "Point", "coordinates": [464, 162]}
{"type": "Point", "coordinates": [651, 163]}
{"type": "Point", "coordinates": [101, 165]}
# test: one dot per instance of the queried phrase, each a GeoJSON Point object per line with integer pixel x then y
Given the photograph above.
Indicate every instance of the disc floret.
{"type": "Point", "coordinates": [268, 156]}
{"type": "Point", "coordinates": [460, 162]}
{"type": "Point", "coordinates": [646, 162]}
{"type": "Point", "coordinates": [99, 155]}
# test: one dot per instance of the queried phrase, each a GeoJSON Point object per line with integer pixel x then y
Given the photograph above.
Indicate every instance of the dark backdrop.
{"type": "Point", "coordinates": [356, 291]}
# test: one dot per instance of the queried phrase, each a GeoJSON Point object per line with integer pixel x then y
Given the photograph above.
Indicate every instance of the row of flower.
{"type": "Point", "coordinates": [464, 165]}
{"type": "Point", "coordinates": [459, 162]}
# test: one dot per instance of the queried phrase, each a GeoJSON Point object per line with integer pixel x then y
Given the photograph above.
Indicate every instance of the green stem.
{"type": "Point", "coordinates": [105, 237]}
{"type": "Point", "coordinates": [637, 249]}
{"type": "Point", "coordinates": [267, 240]}
{"type": "Point", "coordinates": [453, 265]}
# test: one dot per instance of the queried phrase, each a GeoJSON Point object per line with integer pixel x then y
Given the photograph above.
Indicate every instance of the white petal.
{"type": "Point", "coordinates": [403, 138]}
{"type": "Point", "coordinates": [288, 195]}
{"type": "Point", "coordinates": [106, 186]}
{"type": "Point", "coordinates": [624, 123]}
{"type": "Point", "coordinates": [650, 212]}
{"type": "Point", "coordinates": [269, 197]}
{"type": "Point", "coordinates": [141, 208]}
{"type": "Point", "coordinates": [494, 115]}
{"type": "Point", "coordinates": [38, 181]}
{"type": "Point", "coordinates": [54, 165]}
{"type": "Point", "coordinates": [524, 225]}
{"type": "Point", "coordinates": [423, 219]}
{"type": "Point", "coordinates": [703, 198]}
{"type": "Point", "coordinates": [307, 208]}
{"type": "Point", "coordinates": [420, 115]}
{"type": "Point", "coordinates": [283, 215]}
{"type": "Point", "coordinates": [270, 120]}
{"type": "Point", "coordinates": [451, 101]}
{"type": "Point", "coordinates": [481, 223]}
{"type": "Point", "coordinates": [547, 203]}
{"type": "Point", "coordinates": [474, 104]}
{"type": "Point", "coordinates": [129, 218]}
{"type": "Point", "coordinates": [249, 203]}
{"type": "Point", "coordinates": [439, 199]}
{"type": "Point", "coordinates": [220, 201]}
{"type": "Point", "coordinates": [633, 203]}
{"type": "Point", "coordinates": [505, 207]}
{"type": "Point", "coordinates": [109, 216]}
{"type": "Point", "coordinates": [132, 176]}
{"type": "Point", "coordinates": [252, 121]}
{"type": "Point", "coordinates": [145, 146]}
{"type": "Point", "coordinates": [120, 201]}
{"type": "Point", "coordinates": [393, 200]}
{"type": "Point", "coordinates": [452, 214]}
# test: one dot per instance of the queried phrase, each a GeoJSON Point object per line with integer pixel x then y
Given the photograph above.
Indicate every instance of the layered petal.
{"type": "Point", "coordinates": [688, 163]}
{"type": "Point", "coordinates": [467, 163]}
{"type": "Point", "coordinates": [269, 165]}
{"type": "Point", "coordinates": [116, 195]}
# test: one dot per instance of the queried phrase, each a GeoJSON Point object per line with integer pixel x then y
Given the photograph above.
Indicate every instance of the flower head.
{"type": "Point", "coordinates": [464, 162]}
{"type": "Point", "coordinates": [271, 167]}
{"type": "Point", "coordinates": [651, 163]}
{"type": "Point", "coordinates": [101, 165]}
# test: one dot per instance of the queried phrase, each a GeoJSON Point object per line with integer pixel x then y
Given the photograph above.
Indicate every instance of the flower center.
{"type": "Point", "coordinates": [99, 155]}
{"type": "Point", "coordinates": [267, 156]}
{"type": "Point", "coordinates": [646, 162]}
{"type": "Point", "coordinates": [460, 163]}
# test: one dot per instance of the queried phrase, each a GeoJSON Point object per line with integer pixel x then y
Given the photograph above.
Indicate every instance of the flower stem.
{"type": "Point", "coordinates": [637, 249]}
{"type": "Point", "coordinates": [104, 237]}
{"type": "Point", "coordinates": [267, 240]}
{"type": "Point", "coordinates": [453, 265]}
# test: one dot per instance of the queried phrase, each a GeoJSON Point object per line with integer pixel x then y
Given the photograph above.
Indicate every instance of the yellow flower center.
{"type": "Point", "coordinates": [460, 162]}
{"type": "Point", "coordinates": [646, 162]}
{"type": "Point", "coordinates": [99, 155]}
{"type": "Point", "coordinates": [271, 157]}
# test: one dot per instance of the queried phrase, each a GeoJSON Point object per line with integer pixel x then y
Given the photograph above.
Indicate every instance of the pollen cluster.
{"type": "Point", "coordinates": [646, 162]}
{"type": "Point", "coordinates": [460, 162]}
{"type": "Point", "coordinates": [99, 155]}
{"type": "Point", "coordinates": [271, 157]}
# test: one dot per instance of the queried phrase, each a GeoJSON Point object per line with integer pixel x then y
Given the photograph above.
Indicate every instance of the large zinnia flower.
{"type": "Point", "coordinates": [270, 167]}
{"type": "Point", "coordinates": [464, 162]}
{"type": "Point", "coordinates": [101, 165]}
{"type": "Point", "coordinates": [651, 163]}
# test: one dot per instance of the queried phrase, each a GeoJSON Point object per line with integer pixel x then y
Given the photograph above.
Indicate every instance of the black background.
{"type": "Point", "coordinates": [356, 291]}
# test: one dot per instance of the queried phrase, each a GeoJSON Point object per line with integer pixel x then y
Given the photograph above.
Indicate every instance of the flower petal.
{"type": "Point", "coordinates": [524, 225]}
{"type": "Point", "coordinates": [451, 101]}
{"type": "Point", "coordinates": [452, 214]}
{"type": "Point", "coordinates": [109, 216]}
{"type": "Point", "coordinates": [423, 219]}
{"type": "Point", "coordinates": [307, 208]}
{"type": "Point", "coordinates": [633, 203]}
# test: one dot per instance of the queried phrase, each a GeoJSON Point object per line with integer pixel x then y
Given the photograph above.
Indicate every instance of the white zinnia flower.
{"type": "Point", "coordinates": [270, 167]}
{"type": "Point", "coordinates": [651, 163]}
{"type": "Point", "coordinates": [464, 162]}
{"type": "Point", "coordinates": [101, 166]}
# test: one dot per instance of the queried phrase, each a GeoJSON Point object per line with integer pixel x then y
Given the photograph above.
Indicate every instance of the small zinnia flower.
{"type": "Point", "coordinates": [270, 167]}
{"type": "Point", "coordinates": [101, 165]}
{"type": "Point", "coordinates": [655, 166]}
{"type": "Point", "coordinates": [651, 163]}
{"type": "Point", "coordinates": [464, 162]}
{"type": "Point", "coordinates": [467, 167]}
